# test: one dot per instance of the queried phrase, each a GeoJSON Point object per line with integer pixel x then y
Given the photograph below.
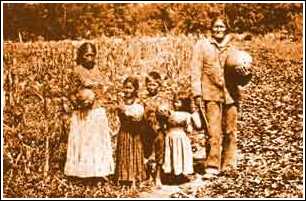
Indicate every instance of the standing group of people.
{"type": "Point", "coordinates": [153, 128]}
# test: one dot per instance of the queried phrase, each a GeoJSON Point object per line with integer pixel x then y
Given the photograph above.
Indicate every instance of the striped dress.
{"type": "Point", "coordinates": [130, 153]}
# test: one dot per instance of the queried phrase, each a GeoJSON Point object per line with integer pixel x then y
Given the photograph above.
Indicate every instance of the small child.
{"type": "Point", "coordinates": [130, 165]}
{"type": "Point", "coordinates": [178, 159]}
{"type": "Point", "coordinates": [89, 152]}
{"type": "Point", "coordinates": [154, 132]}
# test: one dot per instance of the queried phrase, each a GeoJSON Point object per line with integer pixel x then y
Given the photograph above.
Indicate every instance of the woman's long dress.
{"type": "Point", "coordinates": [178, 151]}
{"type": "Point", "coordinates": [89, 152]}
{"type": "Point", "coordinates": [130, 153]}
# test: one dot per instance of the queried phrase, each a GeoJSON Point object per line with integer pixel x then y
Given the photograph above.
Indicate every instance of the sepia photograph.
{"type": "Point", "coordinates": [152, 100]}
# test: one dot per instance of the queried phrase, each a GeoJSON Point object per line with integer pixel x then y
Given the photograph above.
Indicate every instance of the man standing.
{"type": "Point", "coordinates": [217, 93]}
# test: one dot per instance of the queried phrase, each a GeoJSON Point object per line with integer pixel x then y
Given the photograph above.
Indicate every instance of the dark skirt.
{"type": "Point", "coordinates": [130, 154]}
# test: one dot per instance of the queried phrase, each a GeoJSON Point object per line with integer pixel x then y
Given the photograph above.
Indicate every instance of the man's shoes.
{"type": "Point", "coordinates": [229, 168]}
{"type": "Point", "coordinates": [209, 176]}
{"type": "Point", "coordinates": [211, 173]}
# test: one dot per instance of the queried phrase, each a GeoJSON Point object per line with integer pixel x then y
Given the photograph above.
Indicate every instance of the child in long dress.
{"type": "Point", "coordinates": [130, 166]}
{"type": "Point", "coordinates": [178, 159]}
{"type": "Point", "coordinates": [89, 152]}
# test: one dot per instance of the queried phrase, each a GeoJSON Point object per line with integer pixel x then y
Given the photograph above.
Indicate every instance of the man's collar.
{"type": "Point", "coordinates": [218, 45]}
{"type": "Point", "coordinates": [212, 40]}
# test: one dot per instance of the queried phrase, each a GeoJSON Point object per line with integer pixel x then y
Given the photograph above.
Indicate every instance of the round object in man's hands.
{"type": "Point", "coordinates": [238, 58]}
{"type": "Point", "coordinates": [238, 66]}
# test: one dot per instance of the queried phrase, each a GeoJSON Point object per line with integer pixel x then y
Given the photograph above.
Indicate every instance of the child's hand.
{"type": "Point", "coordinates": [189, 128]}
{"type": "Point", "coordinates": [122, 107]}
{"type": "Point", "coordinates": [113, 134]}
{"type": "Point", "coordinates": [196, 120]}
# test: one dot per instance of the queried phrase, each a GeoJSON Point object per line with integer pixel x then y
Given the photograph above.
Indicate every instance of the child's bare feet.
{"type": "Point", "coordinates": [158, 183]}
{"type": "Point", "coordinates": [133, 187]}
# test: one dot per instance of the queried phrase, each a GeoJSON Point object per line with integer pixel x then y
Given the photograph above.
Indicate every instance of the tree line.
{"type": "Point", "coordinates": [58, 21]}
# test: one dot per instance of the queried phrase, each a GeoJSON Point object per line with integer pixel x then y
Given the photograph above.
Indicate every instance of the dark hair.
{"type": "Point", "coordinates": [83, 49]}
{"type": "Point", "coordinates": [223, 19]}
{"type": "Point", "coordinates": [186, 101]}
{"type": "Point", "coordinates": [154, 75]}
{"type": "Point", "coordinates": [134, 81]}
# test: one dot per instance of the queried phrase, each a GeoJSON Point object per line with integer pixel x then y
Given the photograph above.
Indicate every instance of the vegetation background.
{"type": "Point", "coordinates": [137, 38]}
{"type": "Point", "coordinates": [35, 21]}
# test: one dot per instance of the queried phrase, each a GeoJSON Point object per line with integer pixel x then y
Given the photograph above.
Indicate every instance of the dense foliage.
{"type": "Point", "coordinates": [61, 21]}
